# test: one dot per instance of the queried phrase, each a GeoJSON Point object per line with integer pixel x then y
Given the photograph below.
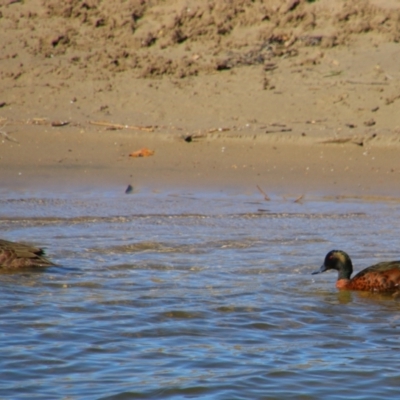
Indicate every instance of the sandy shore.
{"type": "Point", "coordinates": [74, 157]}
{"type": "Point", "coordinates": [314, 111]}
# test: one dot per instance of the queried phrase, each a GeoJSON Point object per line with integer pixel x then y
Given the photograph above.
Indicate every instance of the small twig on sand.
{"type": "Point", "coordinates": [8, 137]}
{"type": "Point", "coordinates": [279, 130]}
{"type": "Point", "coordinates": [266, 197]}
{"type": "Point", "coordinates": [392, 99]}
{"type": "Point", "coordinates": [120, 126]}
{"type": "Point", "coordinates": [337, 140]}
{"type": "Point", "coordinates": [201, 135]}
{"type": "Point", "coordinates": [278, 124]}
{"type": "Point", "coordinates": [190, 137]}
{"type": "Point", "coordinates": [333, 73]}
{"type": "Point", "coordinates": [212, 130]}
{"type": "Point", "coordinates": [358, 142]}
{"type": "Point", "coordinates": [59, 123]}
{"type": "Point", "coordinates": [367, 83]}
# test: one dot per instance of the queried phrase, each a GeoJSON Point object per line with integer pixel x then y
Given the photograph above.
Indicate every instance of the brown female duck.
{"type": "Point", "coordinates": [382, 277]}
{"type": "Point", "coordinates": [15, 255]}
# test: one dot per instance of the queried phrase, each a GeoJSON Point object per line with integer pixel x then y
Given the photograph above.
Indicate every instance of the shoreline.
{"type": "Point", "coordinates": [68, 157]}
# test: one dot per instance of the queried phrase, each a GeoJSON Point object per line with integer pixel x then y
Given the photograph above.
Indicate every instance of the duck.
{"type": "Point", "coordinates": [381, 277]}
{"type": "Point", "coordinates": [14, 255]}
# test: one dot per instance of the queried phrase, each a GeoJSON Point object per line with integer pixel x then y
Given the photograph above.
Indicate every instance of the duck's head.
{"type": "Point", "coordinates": [338, 260]}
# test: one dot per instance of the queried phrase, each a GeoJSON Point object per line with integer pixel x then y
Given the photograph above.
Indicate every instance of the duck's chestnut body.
{"type": "Point", "coordinates": [382, 277]}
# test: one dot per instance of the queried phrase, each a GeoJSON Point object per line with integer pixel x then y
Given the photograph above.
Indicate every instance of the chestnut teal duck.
{"type": "Point", "coordinates": [381, 277]}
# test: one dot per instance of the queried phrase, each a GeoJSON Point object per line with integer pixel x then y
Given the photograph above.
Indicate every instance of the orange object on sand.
{"type": "Point", "coordinates": [145, 152]}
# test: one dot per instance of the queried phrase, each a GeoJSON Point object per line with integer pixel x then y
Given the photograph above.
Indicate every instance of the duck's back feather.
{"type": "Point", "coordinates": [15, 255]}
{"type": "Point", "coordinates": [383, 277]}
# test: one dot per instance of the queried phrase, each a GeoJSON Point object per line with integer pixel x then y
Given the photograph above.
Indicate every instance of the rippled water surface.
{"type": "Point", "coordinates": [196, 295]}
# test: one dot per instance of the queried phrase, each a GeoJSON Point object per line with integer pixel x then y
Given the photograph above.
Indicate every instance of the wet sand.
{"type": "Point", "coordinates": [62, 157]}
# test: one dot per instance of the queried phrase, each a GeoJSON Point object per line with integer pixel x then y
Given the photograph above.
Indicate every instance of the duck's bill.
{"type": "Point", "coordinates": [322, 269]}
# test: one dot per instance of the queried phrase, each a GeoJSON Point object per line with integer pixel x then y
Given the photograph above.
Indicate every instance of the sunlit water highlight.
{"type": "Point", "coordinates": [196, 295]}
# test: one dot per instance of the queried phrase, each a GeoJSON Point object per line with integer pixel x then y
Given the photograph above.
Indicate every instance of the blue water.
{"type": "Point", "coordinates": [196, 295]}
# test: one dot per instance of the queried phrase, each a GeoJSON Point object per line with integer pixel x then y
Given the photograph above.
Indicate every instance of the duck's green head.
{"type": "Point", "coordinates": [338, 260]}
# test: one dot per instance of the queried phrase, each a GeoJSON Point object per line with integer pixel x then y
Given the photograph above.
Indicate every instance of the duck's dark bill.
{"type": "Point", "coordinates": [322, 269]}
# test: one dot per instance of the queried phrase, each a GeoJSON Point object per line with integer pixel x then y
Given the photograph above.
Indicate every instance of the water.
{"type": "Point", "coordinates": [196, 295]}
